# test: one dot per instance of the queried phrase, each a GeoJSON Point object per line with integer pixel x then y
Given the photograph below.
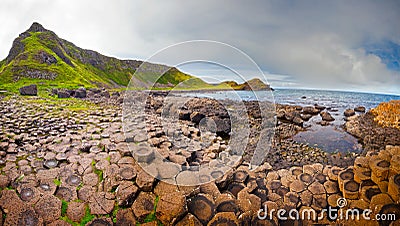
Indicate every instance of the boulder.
{"type": "Point", "coordinates": [310, 110]}
{"type": "Point", "coordinates": [63, 94]}
{"type": "Point", "coordinates": [80, 93]}
{"type": "Point", "coordinates": [306, 117]}
{"type": "Point", "coordinates": [298, 121]}
{"type": "Point", "coordinates": [223, 125]}
{"type": "Point", "coordinates": [349, 112]}
{"type": "Point", "coordinates": [30, 90]}
{"type": "Point", "coordinates": [326, 116]}
{"type": "Point", "coordinates": [359, 109]}
{"type": "Point", "coordinates": [196, 117]}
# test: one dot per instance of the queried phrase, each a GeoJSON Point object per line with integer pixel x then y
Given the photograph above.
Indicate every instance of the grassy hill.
{"type": "Point", "coordinates": [39, 56]}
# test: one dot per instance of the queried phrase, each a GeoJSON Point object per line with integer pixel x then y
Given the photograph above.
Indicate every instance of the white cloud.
{"type": "Point", "coordinates": [315, 44]}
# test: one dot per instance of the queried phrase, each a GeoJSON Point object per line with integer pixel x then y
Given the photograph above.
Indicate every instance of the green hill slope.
{"type": "Point", "coordinates": [40, 56]}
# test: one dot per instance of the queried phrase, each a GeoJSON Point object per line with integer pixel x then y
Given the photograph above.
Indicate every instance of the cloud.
{"type": "Point", "coordinates": [315, 44]}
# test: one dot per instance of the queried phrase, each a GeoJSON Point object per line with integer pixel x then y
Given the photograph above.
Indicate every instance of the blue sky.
{"type": "Point", "coordinates": [345, 45]}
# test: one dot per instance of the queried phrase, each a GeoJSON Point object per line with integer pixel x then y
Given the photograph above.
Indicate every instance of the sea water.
{"type": "Point", "coordinates": [330, 138]}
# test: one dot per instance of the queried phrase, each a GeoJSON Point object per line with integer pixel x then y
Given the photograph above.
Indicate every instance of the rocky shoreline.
{"type": "Point", "coordinates": [69, 163]}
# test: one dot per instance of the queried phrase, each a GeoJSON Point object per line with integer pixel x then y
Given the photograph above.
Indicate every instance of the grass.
{"type": "Point", "coordinates": [86, 219]}
{"type": "Point", "coordinates": [71, 104]}
{"type": "Point", "coordinates": [64, 207]}
{"type": "Point", "coordinates": [97, 171]}
{"type": "Point", "coordinates": [57, 182]}
{"type": "Point", "coordinates": [76, 67]}
{"type": "Point", "coordinates": [152, 216]}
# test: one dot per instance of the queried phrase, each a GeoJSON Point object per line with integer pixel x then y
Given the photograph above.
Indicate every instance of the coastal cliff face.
{"type": "Point", "coordinates": [253, 84]}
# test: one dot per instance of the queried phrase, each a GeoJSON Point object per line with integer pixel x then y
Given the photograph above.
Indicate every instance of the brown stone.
{"type": "Point", "coordinates": [248, 202]}
{"type": "Point", "coordinates": [125, 217]}
{"type": "Point", "coordinates": [334, 172]}
{"type": "Point", "coordinates": [272, 176]}
{"type": "Point", "coordinates": [333, 200]}
{"type": "Point", "coordinates": [224, 218]}
{"type": "Point", "coordinates": [379, 169]}
{"type": "Point", "coordinates": [367, 192]}
{"type": "Point", "coordinates": [127, 173]}
{"type": "Point", "coordinates": [202, 206]}
{"type": "Point", "coordinates": [316, 188]}
{"type": "Point", "coordinates": [28, 217]}
{"type": "Point", "coordinates": [394, 187]}
{"type": "Point", "coordinates": [273, 184]}
{"type": "Point", "coordinates": [343, 176]}
{"type": "Point", "coordinates": [378, 201]}
{"type": "Point", "coordinates": [4, 181]}
{"type": "Point", "coordinates": [126, 192]}
{"type": "Point", "coordinates": [297, 186]}
{"type": "Point", "coordinates": [306, 198]}
{"type": "Point", "coordinates": [143, 205]}
{"type": "Point", "coordinates": [100, 203]}
{"type": "Point", "coordinates": [287, 180]}
{"type": "Point", "coordinates": [100, 222]}
{"type": "Point", "coordinates": [59, 223]}
{"type": "Point", "coordinates": [144, 181]}
{"type": "Point", "coordinates": [319, 202]}
{"type": "Point", "coordinates": [90, 179]}
{"type": "Point", "coordinates": [66, 193]}
{"type": "Point", "coordinates": [211, 189]}
{"type": "Point", "coordinates": [295, 170]}
{"type": "Point", "coordinates": [170, 207]}
{"type": "Point", "coordinates": [189, 219]}
{"type": "Point", "coordinates": [9, 200]}
{"type": "Point", "coordinates": [48, 208]}
{"type": "Point", "coordinates": [361, 174]}
{"type": "Point", "coordinates": [331, 187]}
{"type": "Point", "coordinates": [292, 198]}
{"type": "Point", "coordinates": [162, 188]}
{"type": "Point", "coordinates": [76, 211]}
{"type": "Point", "coordinates": [86, 192]}
{"type": "Point", "coordinates": [178, 159]}
{"type": "Point", "coordinates": [350, 189]}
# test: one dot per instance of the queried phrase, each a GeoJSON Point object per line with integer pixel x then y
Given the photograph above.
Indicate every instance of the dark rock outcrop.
{"type": "Point", "coordinates": [45, 58]}
{"type": "Point", "coordinates": [30, 90]}
{"type": "Point", "coordinates": [359, 109]}
{"type": "Point", "coordinates": [63, 94]}
{"type": "Point", "coordinates": [349, 112]}
{"type": "Point", "coordinates": [326, 116]}
{"type": "Point", "coordinates": [80, 93]}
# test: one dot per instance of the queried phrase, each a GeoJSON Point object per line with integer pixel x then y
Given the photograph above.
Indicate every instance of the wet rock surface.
{"type": "Point", "coordinates": [59, 164]}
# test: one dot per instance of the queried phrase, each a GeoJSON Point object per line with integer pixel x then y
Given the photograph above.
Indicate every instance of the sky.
{"type": "Point", "coordinates": [335, 45]}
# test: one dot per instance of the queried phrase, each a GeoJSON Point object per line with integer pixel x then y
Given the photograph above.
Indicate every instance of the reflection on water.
{"type": "Point", "coordinates": [329, 138]}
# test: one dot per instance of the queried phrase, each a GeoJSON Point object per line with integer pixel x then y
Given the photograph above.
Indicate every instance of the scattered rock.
{"type": "Point", "coordinates": [359, 109]}
{"type": "Point", "coordinates": [30, 90]}
{"type": "Point", "coordinates": [326, 116]}
{"type": "Point", "coordinates": [349, 112]}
